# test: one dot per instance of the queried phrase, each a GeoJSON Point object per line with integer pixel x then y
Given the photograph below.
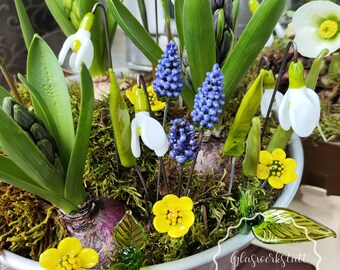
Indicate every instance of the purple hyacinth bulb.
{"type": "Point", "coordinates": [182, 140]}
{"type": "Point", "coordinates": [209, 99]}
{"type": "Point", "coordinates": [168, 82]}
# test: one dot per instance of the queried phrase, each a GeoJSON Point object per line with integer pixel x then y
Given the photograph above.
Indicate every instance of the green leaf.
{"type": "Point", "coordinates": [61, 17]}
{"type": "Point", "coordinates": [135, 31]}
{"type": "Point", "coordinates": [279, 139]}
{"type": "Point", "coordinates": [188, 96]}
{"type": "Point", "coordinates": [45, 74]}
{"type": "Point", "coordinates": [130, 233]}
{"type": "Point", "coordinates": [25, 24]}
{"type": "Point", "coordinates": [199, 38]}
{"type": "Point", "coordinates": [13, 175]}
{"type": "Point", "coordinates": [121, 123]}
{"type": "Point", "coordinates": [179, 21]}
{"type": "Point", "coordinates": [313, 74]}
{"type": "Point", "coordinates": [250, 44]}
{"type": "Point", "coordinates": [236, 8]}
{"type": "Point", "coordinates": [26, 155]}
{"type": "Point", "coordinates": [234, 145]}
{"type": "Point", "coordinates": [74, 188]}
{"type": "Point", "coordinates": [3, 93]}
{"type": "Point", "coordinates": [281, 226]}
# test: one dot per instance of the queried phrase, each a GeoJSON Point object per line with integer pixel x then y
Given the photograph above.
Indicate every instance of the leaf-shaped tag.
{"type": "Point", "coordinates": [130, 233]}
{"type": "Point", "coordinates": [281, 226]}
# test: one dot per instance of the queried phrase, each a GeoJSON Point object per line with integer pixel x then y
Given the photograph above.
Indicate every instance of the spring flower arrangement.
{"type": "Point", "coordinates": [153, 203]}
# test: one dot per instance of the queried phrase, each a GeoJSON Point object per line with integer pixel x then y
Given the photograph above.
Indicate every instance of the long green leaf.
{"type": "Point", "coordinates": [199, 38]}
{"type": "Point", "coordinates": [135, 31]}
{"type": "Point", "coordinates": [13, 175]}
{"type": "Point", "coordinates": [3, 93]}
{"type": "Point", "coordinates": [74, 188]}
{"type": "Point", "coordinates": [250, 44]}
{"type": "Point", "coordinates": [179, 21]}
{"type": "Point", "coordinates": [282, 226]}
{"type": "Point", "coordinates": [26, 155]}
{"type": "Point", "coordinates": [45, 74]}
{"type": "Point", "coordinates": [25, 24]}
{"type": "Point", "coordinates": [60, 16]}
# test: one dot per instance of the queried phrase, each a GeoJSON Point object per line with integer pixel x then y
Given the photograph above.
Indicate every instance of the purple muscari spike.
{"type": "Point", "coordinates": [209, 99]}
{"type": "Point", "coordinates": [168, 82]}
{"type": "Point", "coordinates": [182, 140]}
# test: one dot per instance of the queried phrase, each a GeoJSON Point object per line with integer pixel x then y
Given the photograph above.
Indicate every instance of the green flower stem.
{"type": "Point", "coordinates": [180, 179]}
{"type": "Point", "coordinates": [200, 139]}
{"type": "Point", "coordinates": [334, 66]}
{"type": "Point", "coordinates": [313, 74]}
{"type": "Point", "coordinates": [279, 139]}
{"type": "Point", "coordinates": [232, 173]}
{"type": "Point", "coordinates": [9, 80]}
{"type": "Point", "coordinates": [143, 182]}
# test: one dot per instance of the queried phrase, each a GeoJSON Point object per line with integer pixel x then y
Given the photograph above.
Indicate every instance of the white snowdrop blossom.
{"type": "Point", "coordinates": [316, 25]}
{"type": "Point", "coordinates": [300, 106]}
{"type": "Point", "coordinates": [80, 44]}
{"type": "Point", "coordinates": [269, 84]}
{"type": "Point", "coordinates": [151, 132]}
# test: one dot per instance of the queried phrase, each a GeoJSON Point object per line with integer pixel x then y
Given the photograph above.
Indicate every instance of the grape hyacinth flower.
{"type": "Point", "coordinates": [168, 82]}
{"type": "Point", "coordinates": [209, 99]}
{"type": "Point", "coordinates": [182, 140]}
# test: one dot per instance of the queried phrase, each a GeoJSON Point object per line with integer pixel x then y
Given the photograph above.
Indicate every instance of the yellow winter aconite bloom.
{"type": "Point", "coordinates": [173, 215]}
{"type": "Point", "coordinates": [69, 255]}
{"type": "Point", "coordinates": [275, 167]}
{"type": "Point", "coordinates": [156, 105]}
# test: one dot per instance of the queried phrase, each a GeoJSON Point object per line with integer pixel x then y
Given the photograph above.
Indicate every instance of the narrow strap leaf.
{"type": "Point", "coordinates": [281, 226]}
{"type": "Point", "coordinates": [234, 145]}
{"type": "Point", "coordinates": [26, 155]}
{"type": "Point", "coordinates": [60, 16]}
{"type": "Point", "coordinates": [74, 188]}
{"type": "Point", "coordinates": [179, 21]}
{"type": "Point", "coordinates": [250, 44]}
{"type": "Point", "coordinates": [45, 74]}
{"type": "Point", "coordinates": [121, 123]}
{"type": "Point", "coordinates": [25, 24]}
{"type": "Point", "coordinates": [3, 93]}
{"type": "Point", "coordinates": [135, 31]}
{"type": "Point", "coordinates": [199, 41]}
{"type": "Point", "coordinates": [11, 174]}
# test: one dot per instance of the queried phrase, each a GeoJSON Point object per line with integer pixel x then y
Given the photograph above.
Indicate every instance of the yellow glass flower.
{"type": "Point", "coordinates": [69, 255]}
{"type": "Point", "coordinates": [155, 104]}
{"type": "Point", "coordinates": [173, 215]}
{"type": "Point", "coordinates": [275, 167]}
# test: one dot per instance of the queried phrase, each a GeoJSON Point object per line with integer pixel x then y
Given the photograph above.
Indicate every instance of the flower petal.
{"type": "Point", "coordinates": [186, 203]}
{"type": "Point", "coordinates": [162, 150]}
{"type": "Point", "coordinates": [50, 258]}
{"type": "Point", "coordinates": [178, 231]}
{"type": "Point", "coordinates": [188, 218]}
{"type": "Point", "coordinates": [289, 163]}
{"type": "Point", "coordinates": [85, 54]}
{"type": "Point", "coordinates": [88, 257]}
{"type": "Point", "coordinates": [262, 172]}
{"type": "Point", "coordinates": [315, 100]}
{"type": "Point", "coordinates": [135, 144]}
{"type": "Point", "coordinates": [265, 157]}
{"type": "Point", "coordinates": [69, 245]}
{"type": "Point", "coordinates": [171, 200]}
{"type": "Point", "coordinates": [153, 134]}
{"type": "Point", "coordinates": [159, 208]}
{"type": "Point", "coordinates": [72, 61]}
{"type": "Point", "coordinates": [283, 111]}
{"type": "Point", "coordinates": [278, 154]}
{"type": "Point", "coordinates": [302, 114]}
{"type": "Point", "coordinates": [64, 50]}
{"type": "Point", "coordinates": [161, 224]}
{"type": "Point", "coordinates": [265, 101]}
{"type": "Point", "coordinates": [275, 182]}
{"type": "Point", "coordinates": [269, 41]}
{"type": "Point", "coordinates": [288, 176]}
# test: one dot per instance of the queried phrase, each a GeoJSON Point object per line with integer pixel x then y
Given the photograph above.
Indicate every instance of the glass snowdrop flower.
{"type": "Point", "coordinates": [300, 106]}
{"type": "Point", "coordinates": [146, 127]}
{"type": "Point", "coordinates": [269, 85]}
{"type": "Point", "coordinates": [316, 25]}
{"type": "Point", "coordinates": [80, 44]}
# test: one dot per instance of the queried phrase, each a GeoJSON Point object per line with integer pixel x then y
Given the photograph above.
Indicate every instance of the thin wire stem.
{"type": "Point", "coordinates": [108, 48]}
{"type": "Point", "coordinates": [278, 82]}
{"type": "Point", "coordinates": [200, 139]}
{"type": "Point", "coordinates": [232, 174]}
{"type": "Point", "coordinates": [9, 80]}
{"type": "Point", "coordinates": [142, 181]}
